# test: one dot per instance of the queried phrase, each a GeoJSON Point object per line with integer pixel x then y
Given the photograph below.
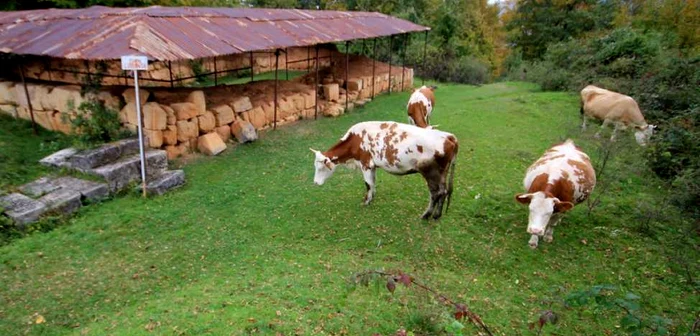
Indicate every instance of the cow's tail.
{"type": "Point", "coordinates": [451, 178]}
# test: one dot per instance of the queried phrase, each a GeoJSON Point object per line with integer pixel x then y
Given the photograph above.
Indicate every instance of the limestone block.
{"type": "Point", "coordinates": [257, 117]}
{"type": "Point", "coordinates": [285, 108]}
{"type": "Point", "coordinates": [61, 122]}
{"type": "Point", "coordinates": [197, 98]}
{"type": "Point", "coordinates": [110, 101]}
{"type": "Point", "coordinates": [333, 110]}
{"type": "Point", "coordinates": [309, 100]}
{"type": "Point", "coordinates": [170, 113]}
{"type": "Point", "coordinates": [22, 209]}
{"type": "Point", "coordinates": [131, 128]}
{"type": "Point", "coordinates": [331, 91]}
{"type": "Point", "coordinates": [224, 115]}
{"type": "Point", "coordinates": [7, 93]}
{"type": "Point", "coordinates": [128, 114]}
{"type": "Point", "coordinates": [155, 137]}
{"type": "Point", "coordinates": [243, 131]}
{"type": "Point", "coordinates": [130, 95]}
{"type": "Point", "coordinates": [186, 130]}
{"type": "Point", "coordinates": [224, 132]}
{"type": "Point", "coordinates": [299, 102]}
{"type": "Point", "coordinates": [62, 201]}
{"type": "Point", "coordinates": [10, 110]}
{"type": "Point", "coordinates": [354, 84]}
{"type": "Point", "coordinates": [207, 122]}
{"type": "Point", "coordinates": [269, 110]}
{"type": "Point", "coordinates": [23, 113]}
{"type": "Point", "coordinates": [241, 104]}
{"type": "Point", "coordinates": [185, 110]}
{"type": "Point", "coordinates": [154, 117]}
{"type": "Point", "coordinates": [44, 118]}
{"type": "Point", "coordinates": [173, 151]}
{"type": "Point", "coordinates": [211, 144]}
{"type": "Point", "coordinates": [170, 135]}
{"type": "Point", "coordinates": [309, 113]}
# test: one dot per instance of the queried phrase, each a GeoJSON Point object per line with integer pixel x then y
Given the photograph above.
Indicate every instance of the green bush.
{"type": "Point", "coordinates": [94, 124]}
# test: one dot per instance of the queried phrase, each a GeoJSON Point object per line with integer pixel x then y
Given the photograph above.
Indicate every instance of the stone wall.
{"type": "Point", "coordinates": [180, 120]}
{"type": "Point", "coordinates": [158, 74]}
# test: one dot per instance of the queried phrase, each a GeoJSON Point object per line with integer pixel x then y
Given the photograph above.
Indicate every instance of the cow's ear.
{"type": "Point", "coordinates": [563, 206]}
{"type": "Point", "coordinates": [523, 198]}
{"type": "Point", "coordinates": [329, 164]}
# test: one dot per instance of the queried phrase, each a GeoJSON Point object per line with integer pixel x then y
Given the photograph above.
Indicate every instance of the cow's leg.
{"type": "Point", "coordinates": [583, 125]}
{"type": "Point", "coordinates": [369, 175]}
{"type": "Point", "coordinates": [432, 177]}
{"type": "Point", "coordinates": [442, 192]}
{"type": "Point", "coordinates": [533, 241]}
{"type": "Point", "coordinates": [549, 232]}
{"type": "Point", "coordinates": [606, 122]}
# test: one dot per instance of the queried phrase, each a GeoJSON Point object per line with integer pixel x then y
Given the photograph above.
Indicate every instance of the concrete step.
{"type": "Point", "coordinates": [121, 173]}
{"type": "Point", "coordinates": [22, 209]}
{"type": "Point", "coordinates": [169, 179]}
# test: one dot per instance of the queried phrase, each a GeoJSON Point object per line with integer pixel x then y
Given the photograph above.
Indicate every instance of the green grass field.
{"type": "Point", "coordinates": [251, 246]}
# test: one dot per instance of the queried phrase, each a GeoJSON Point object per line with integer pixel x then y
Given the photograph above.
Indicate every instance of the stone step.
{"type": "Point", "coordinates": [89, 191]}
{"type": "Point", "coordinates": [59, 159]}
{"type": "Point", "coordinates": [61, 201]}
{"type": "Point", "coordinates": [22, 209]}
{"type": "Point", "coordinates": [120, 174]}
{"type": "Point", "coordinates": [169, 179]}
{"type": "Point", "coordinates": [105, 154]}
{"type": "Point", "coordinates": [39, 187]}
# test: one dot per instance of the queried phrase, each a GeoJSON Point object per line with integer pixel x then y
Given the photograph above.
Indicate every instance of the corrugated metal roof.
{"type": "Point", "coordinates": [175, 33]}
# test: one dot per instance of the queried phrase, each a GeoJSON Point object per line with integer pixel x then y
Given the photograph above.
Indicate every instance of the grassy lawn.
{"type": "Point", "coordinates": [251, 246]}
{"type": "Point", "coordinates": [21, 150]}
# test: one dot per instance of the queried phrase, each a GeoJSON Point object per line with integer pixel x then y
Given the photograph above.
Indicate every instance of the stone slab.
{"type": "Point", "coordinates": [59, 159]}
{"type": "Point", "coordinates": [87, 159]}
{"type": "Point", "coordinates": [120, 174]}
{"type": "Point", "coordinates": [167, 180]}
{"type": "Point", "coordinates": [62, 201]}
{"type": "Point", "coordinates": [39, 187]}
{"type": "Point", "coordinates": [22, 209]}
{"type": "Point", "coordinates": [90, 191]}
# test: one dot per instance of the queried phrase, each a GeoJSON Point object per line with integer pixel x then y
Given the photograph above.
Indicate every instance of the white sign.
{"type": "Point", "coordinates": [134, 63]}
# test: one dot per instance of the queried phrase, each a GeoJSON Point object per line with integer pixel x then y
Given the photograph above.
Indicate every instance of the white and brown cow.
{"type": "Point", "coordinates": [420, 106]}
{"type": "Point", "coordinates": [561, 178]}
{"type": "Point", "coordinates": [399, 149]}
{"type": "Point", "coordinates": [616, 108]}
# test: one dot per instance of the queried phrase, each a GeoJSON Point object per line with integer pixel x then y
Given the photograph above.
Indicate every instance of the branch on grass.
{"type": "Point", "coordinates": [461, 312]}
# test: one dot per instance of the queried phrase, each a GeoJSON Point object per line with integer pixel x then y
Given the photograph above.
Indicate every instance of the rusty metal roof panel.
{"type": "Point", "coordinates": [176, 33]}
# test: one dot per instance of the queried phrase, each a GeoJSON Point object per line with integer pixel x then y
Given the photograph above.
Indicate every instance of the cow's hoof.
{"type": "Point", "coordinates": [548, 239]}
{"type": "Point", "coordinates": [425, 216]}
{"type": "Point", "coordinates": [437, 216]}
{"type": "Point", "coordinates": [533, 245]}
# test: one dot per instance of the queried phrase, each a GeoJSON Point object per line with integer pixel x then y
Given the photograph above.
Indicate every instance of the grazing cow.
{"type": "Point", "coordinates": [399, 149]}
{"type": "Point", "coordinates": [613, 107]}
{"type": "Point", "coordinates": [420, 106]}
{"type": "Point", "coordinates": [561, 178]}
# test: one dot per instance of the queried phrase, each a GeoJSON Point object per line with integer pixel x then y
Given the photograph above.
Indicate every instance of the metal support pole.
{"type": "Point", "coordinates": [252, 71]}
{"type": "Point", "coordinates": [286, 63]}
{"type": "Point", "coordinates": [216, 76]}
{"type": "Point", "coordinates": [308, 59]}
{"type": "Point", "coordinates": [374, 64]}
{"type": "Point", "coordinates": [316, 87]}
{"type": "Point", "coordinates": [277, 59]}
{"type": "Point", "coordinates": [391, 50]}
{"type": "Point", "coordinates": [138, 117]}
{"type": "Point", "coordinates": [403, 61]}
{"type": "Point", "coordinates": [170, 70]}
{"type": "Point", "coordinates": [29, 100]}
{"type": "Point", "coordinates": [347, 70]}
{"type": "Point", "coordinates": [425, 48]}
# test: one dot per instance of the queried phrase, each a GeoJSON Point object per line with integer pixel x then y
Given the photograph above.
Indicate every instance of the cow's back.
{"type": "Point", "coordinates": [605, 104]}
{"type": "Point", "coordinates": [563, 170]}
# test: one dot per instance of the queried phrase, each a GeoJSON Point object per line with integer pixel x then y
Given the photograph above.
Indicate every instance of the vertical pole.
{"type": "Point", "coordinates": [347, 70]}
{"type": "Point", "coordinates": [252, 71]}
{"type": "Point", "coordinates": [138, 117]}
{"type": "Point", "coordinates": [316, 87]}
{"type": "Point", "coordinates": [277, 59]}
{"type": "Point", "coordinates": [216, 76]}
{"type": "Point", "coordinates": [170, 70]}
{"type": "Point", "coordinates": [308, 59]}
{"type": "Point", "coordinates": [391, 50]}
{"type": "Point", "coordinates": [403, 61]}
{"type": "Point", "coordinates": [286, 63]}
{"type": "Point", "coordinates": [425, 48]}
{"type": "Point", "coordinates": [29, 100]}
{"type": "Point", "coordinates": [374, 64]}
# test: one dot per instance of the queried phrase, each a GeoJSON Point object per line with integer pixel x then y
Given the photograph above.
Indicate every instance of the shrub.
{"type": "Point", "coordinates": [469, 70]}
{"type": "Point", "coordinates": [94, 124]}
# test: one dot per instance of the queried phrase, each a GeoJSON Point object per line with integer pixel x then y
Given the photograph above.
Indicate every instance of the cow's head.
{"type": "Point", "coordinates": [643, 135]}
{"type": "Point", "coordinates": [324, 167]}
{"type": "Point", "coordinates": [541, 209]}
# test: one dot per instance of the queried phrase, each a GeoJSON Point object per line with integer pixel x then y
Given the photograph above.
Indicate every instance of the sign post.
{"type": "Point", "coordinates": [136, 63]}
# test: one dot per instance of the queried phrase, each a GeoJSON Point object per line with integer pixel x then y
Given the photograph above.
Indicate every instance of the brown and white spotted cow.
{"type": "Point", "coordinates": [399, 149]}
{"type": "Point", "coordinates": [616, 108]}
{"type": "Point", "coordinates": [558, 180]}
{"type": "Point", "coordinates": [420, 106]}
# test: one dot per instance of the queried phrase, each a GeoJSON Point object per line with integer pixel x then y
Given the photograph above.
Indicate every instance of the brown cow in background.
{"type": "Point", "coordinates": [420, 106]}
